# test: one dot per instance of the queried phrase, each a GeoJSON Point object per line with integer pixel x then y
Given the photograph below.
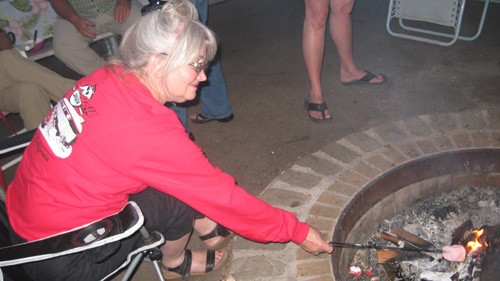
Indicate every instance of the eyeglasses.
{"type": "Point", "coordinates": [198, 66]}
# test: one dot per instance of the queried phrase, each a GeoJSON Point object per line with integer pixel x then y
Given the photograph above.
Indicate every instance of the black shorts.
{"type": "Point", "coordinates": [162, 213]}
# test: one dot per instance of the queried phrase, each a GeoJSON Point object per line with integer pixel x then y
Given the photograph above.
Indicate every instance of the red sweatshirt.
{"type": "Point", "coordinates": [109, 138]}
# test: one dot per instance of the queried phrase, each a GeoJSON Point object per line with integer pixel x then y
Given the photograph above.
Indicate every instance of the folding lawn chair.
{"type": "Point", "coordinates": [431, 21]}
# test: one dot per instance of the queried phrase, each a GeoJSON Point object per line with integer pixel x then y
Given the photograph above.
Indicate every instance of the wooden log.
{"type": "Point", "coordinates": [411, 238]}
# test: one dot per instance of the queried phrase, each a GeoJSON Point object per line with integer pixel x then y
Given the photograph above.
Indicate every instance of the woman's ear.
{"type": "Point", "coordinates": [155, 66]}
{"type": "Point", "coordinates": [152, 76]}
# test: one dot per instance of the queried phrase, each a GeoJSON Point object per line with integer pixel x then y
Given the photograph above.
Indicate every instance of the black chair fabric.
{"type": "Point", "coordinates": [17, 140]}
{"type": "Point", "coordinates": [11, 273]}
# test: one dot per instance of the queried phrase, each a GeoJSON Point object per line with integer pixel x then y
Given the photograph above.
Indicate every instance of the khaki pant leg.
{"type": "Point", "coordinates": [29, 100]}
{"type": "Point", "coordinates": [72, 48]}
{"type": "Point", "coordinates": [15, 68]}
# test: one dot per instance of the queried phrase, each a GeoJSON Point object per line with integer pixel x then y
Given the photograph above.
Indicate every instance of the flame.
{"type": "Point", "coordinates": [478, 242]}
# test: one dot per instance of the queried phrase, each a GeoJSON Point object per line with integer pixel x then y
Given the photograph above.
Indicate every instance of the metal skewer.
{"type": "Point", "coordinates": [377, 247]}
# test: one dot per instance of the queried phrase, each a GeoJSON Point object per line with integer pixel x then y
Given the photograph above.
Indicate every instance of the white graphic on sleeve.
{"type": "Point", "coordinates": [87, 91]}
{"type": "Point", "coordinates": [61, 128]}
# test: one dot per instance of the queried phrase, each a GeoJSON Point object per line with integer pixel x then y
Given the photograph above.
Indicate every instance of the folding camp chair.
{"type": "Point", "coordinates": [97, 234]}
{"type": "Point", "coordinates": [442, 18]}
{"type": "Point", "coordinates": [11, 145]}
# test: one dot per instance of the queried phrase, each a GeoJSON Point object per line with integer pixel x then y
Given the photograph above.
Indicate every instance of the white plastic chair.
{"type": "Point", "coordinates": [443, 18]}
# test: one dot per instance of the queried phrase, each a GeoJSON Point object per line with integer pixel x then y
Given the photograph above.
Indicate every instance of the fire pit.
{"type": "Point", "coordinates": [437, 224]}
{"type": "Point", "coordinates": [393, 193]}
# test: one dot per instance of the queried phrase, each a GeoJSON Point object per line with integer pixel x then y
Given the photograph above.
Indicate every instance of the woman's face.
{"type": "Point", "coordinates": [181, 84]}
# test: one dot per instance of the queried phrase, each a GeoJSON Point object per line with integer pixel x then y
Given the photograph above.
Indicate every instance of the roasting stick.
{"type": "Point", "coordinates": [455, 253]}
{"type": "Point", "coordinates": [388, 253]}
{"type": "Point", "coordinates": [378, 247]}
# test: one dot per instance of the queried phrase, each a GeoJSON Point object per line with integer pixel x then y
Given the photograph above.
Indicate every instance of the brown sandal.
{"type": "Point", "coordinates": [184, 269]}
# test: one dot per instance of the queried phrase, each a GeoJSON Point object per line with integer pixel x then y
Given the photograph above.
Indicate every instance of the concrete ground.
{"type": "Point", "coordinates": [262, 61]}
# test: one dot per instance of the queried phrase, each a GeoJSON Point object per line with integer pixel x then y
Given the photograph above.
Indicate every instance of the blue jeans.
{"type": "Point", "coordinates": [213, 92]}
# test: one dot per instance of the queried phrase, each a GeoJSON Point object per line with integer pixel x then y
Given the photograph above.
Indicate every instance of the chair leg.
{"type": "Point", "coordinates": [154, 255]}
{"type": "Point", "coordinates": [4, 119]}
{"type": "Point", "coordinates": [2, 181]}
{"type": "Point", "coordinates": [132, 266]}
{"type": "Point", "coordinates": [156, 263]}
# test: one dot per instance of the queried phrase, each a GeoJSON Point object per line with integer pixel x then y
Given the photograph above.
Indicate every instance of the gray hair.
{"type": "Point", "coordinates": [174, 32]}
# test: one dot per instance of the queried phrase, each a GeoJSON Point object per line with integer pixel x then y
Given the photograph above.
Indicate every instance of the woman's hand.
{"type": "Point", "coordinates": [122, 10]}
{"type": "Point", "coordinates": [315, 244]}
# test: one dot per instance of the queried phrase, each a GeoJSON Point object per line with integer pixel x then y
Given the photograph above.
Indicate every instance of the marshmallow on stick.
{"type": "Point", "coordinates": [454, 253]}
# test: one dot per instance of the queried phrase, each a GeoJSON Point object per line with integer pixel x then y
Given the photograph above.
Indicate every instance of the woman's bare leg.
{"type": "Point", "coordinates": [174, 251]}
{"type": "Point", "coordinates": [313, 46]}
{"type": "Point", "coordinates": [341, 33]}
{"type": "Point", "coordinates": [204, 226]}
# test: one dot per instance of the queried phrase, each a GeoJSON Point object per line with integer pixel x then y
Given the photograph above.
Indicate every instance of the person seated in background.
{"type": "Point", "coordinates": [81, 21]}
{"type": "Point", "coordinates": [213, 95]}
{"type": "Point", "coordinates": [26, 87]}
{"type": "Point", "coordinates": [124, 144]}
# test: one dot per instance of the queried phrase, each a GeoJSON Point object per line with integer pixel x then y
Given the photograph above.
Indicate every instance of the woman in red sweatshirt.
{"type": "Point", "coordinates": [111, 140]}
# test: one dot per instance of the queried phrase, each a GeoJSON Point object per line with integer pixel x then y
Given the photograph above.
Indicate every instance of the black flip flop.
{"type": "Point", "coordinates": [319, 107]}
{"type": "Point", "coordinates": [365, 80]}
